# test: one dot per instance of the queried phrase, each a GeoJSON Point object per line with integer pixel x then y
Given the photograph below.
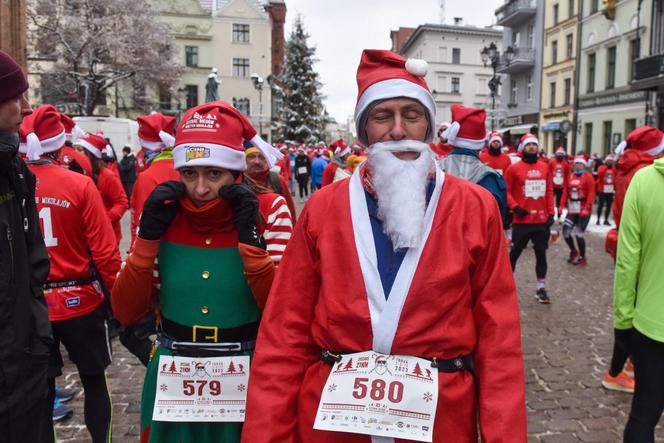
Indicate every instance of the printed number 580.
{"type": "Point", "coordinates": [189, 387]}
{"type": "Point", "coordinates": [376, 390]}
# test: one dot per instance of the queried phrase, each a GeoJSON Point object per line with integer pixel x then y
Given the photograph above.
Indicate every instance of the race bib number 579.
{"type": "Point", "coordinates": [381, 395]}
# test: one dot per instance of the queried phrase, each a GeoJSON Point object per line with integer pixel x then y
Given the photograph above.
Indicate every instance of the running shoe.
{"type": "Point", "coordinates": [607, 223]}
{"type": "Point", "coordinates": [61, 411]}
{"type": "Point", "coordinates": [580, 261]}
{"type": "Point", "coordinates": [542, 296]}
{"type": "Point", "coordinates": [572, 256]}
{"type": "Point", "coordinates": [629, 368]}
{"type": "Point", "coordinates": [64, 395]}
{"type": "Point", "coordinates": [621, 382]}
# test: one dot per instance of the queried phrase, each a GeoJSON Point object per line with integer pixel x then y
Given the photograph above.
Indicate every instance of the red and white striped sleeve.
{"type": "Point", "coordinates": [278, 229]}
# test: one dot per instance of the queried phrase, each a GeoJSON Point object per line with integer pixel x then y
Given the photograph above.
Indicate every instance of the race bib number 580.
{"type": "Point", "coordinates": [381, 395]}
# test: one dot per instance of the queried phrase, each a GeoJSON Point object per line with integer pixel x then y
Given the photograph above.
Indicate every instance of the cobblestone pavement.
{"type": "Point", "coordinates": [567, 346]}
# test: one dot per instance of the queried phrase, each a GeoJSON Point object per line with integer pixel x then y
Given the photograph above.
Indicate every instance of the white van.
{"type": "Point", "coordinates": [121, 131]}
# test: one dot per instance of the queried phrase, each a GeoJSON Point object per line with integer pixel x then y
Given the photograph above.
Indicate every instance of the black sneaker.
{"type": "Point", "coordinates": [607, 223]}
{"type": "Point", "coordinates": [542, 297]}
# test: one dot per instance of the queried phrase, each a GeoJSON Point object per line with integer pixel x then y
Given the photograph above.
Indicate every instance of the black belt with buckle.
{"type": "Point", "coordinates": [449, 365]}
{"type": "Point", "coordinates": [208, 334]}
{"type": "Point", "coordinates": [191, 349]}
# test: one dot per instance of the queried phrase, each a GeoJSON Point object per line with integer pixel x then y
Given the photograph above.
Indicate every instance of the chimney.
{"type": "Point", "coordinates": [458, 21]}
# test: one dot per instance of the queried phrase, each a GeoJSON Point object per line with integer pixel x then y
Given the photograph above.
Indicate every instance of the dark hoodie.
{"type": "Point", "coordinates": [628, 165]}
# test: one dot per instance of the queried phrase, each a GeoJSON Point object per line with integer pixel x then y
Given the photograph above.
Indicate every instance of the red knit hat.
{"type": "Point", "coordinates": [93, 143]}
{"type": "Point", "coordinates": [212, 134]}
{"type": "Point", "coordinates": [12, 78]}
{"type": "Point", "coordinates": [72, 130]}
{"type": "Point", "coordinates": [468, 129]}
{"type": "Point", "coordinates": [496, 136]}
{"type": "Point", "coordinates": [645, 139]}
{"type": "Point", "coordinates": [527, 138]}
{"type": "Point", "coordinates": [156, 131]}
{"type": "Point", "coordinates": [41, 132]}
{"type": "Point", "coordinates": [382, 75]}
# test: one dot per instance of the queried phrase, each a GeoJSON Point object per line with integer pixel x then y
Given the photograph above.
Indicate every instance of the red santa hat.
{"type": "Point", "coordinates": [645, 139]}
{"type": "Point", "coordinates": [383, 75]}
{"type": "Point", "coordinates": [72, 130]}
{"type": "Point", "coordinates": [581, 159]}
{"type": "Point", "coordinates": [340, 148]}
{"type": "Point", "coordinates": [212, 134]}
{"type": "Point", "coordinates": [468, 128]}
{"type": "Point", "coordinates": [527, 138]}
{"type": "Point", "coordinates": [156, 131]}
{"type": "Point", "coordinates": [561, 151]}
{"type": "Point", "coordinates": [41, 132]}
{"type": "Point", "coordinates": [496, 136]}
{"type": "Point", "coordinates": [93, 143]}
{"type": "Point", "coordinates": [609, 158]}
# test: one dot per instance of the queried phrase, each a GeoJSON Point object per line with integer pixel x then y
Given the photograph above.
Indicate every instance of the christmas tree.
{"type": "Point", "coordinates": [302, 116]}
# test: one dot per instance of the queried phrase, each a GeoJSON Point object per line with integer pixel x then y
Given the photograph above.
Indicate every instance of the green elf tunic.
{"type": "Point", "coordinates": [202, 283]}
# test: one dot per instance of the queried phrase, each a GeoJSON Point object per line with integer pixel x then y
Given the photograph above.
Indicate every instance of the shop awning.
{"type": "Point", "coordinates": [551, 126]}
{"type": "Point", "coordinates": [518, 129]}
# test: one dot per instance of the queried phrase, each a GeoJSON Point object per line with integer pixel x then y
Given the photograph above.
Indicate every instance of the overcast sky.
{"type": "Point", "coordinates": [341, 29]}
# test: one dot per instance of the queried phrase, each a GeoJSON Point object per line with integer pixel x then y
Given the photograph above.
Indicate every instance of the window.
{"type": "Point", "coordinates": [164, 98]}
{"type": "Point", "coordinates": [552, 96]}
{"type": "Point", "coordinates": [240, 67]}
{"type": "Point", "coordinates": [192, 95]}
{"type": "Point", "coordinates": [569, 40]}
{"type": "Point", "coordinates": [611, 67]}
{"type": "Point", "coordinates": [633, 56]}
{"type": "Point", "coordinates": [456, 84]}
{"type": "Point", "coordinates": [513, 91]}
{"type": "Point", "coordinates": [570, 8]}
{"type": "Point", "coordinates": [591, 73]}
{"type": "Point", "coordinates": [441, 83]}
{"type": "Point", "coordinates": [531, 36]}
{"type": "Point", "coordinates": [191, 55]}
{"type": "Point", "coordinates": [554, 52]}
{"type": "Point", "coordinates": [442, 54]}
{"type": "Point", "coordinates": [630, 125]}
{"type": "Point", "coordinates": [594, 6]}
{"type": "Point", "coordinates": [516, 38]}
{"type": "Point", "coordinates": [240, 33]}
{"type": "Point", "coordinates": [456, 56]}
{"type": "Point", "coordinates": [555, 14]}
{"type": "Point", "coordinates": [607, 130]}
{"type": "Point", "coordinates": [568, 91]}
{"type": "Point", "coordinates": [242, 104]}
{"type": "Point", "coordinates": [529, 87]}
{"type": "Point", "coordinates": [588, 137]}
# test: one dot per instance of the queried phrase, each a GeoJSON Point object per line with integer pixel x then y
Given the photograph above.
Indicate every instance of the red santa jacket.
{"type": "Point", "coordinates": [76, 231]}
{"type": "Point", "coordinates": [441, 150]}
{"type": "Point", "coordinates": [606, 178]}
{"type": "Point", "coordinates": [328, 174]}
{"type": "Point", "coordinates": [160, 170]}
{"type": "Point", "coordinates": [141, 164]}
{"type": "Point", "coordinates": [278, 224]}
{"type": "Point", "coordinates": [498, 162]}
{"type": "Point", "coordinates": [579, 194]}
{"type": "Point", "coordinates": [560, 171]}
{"type": "Point", "coordinates": [529, 187]}
{"type": "Point", "coordinates": [68, 155]}
{"type": "Point", "coordinates": [628, 164]}
{"type": "Point", "coordinates": [114, 197]}
{"type": "Point", "coordinates": [463, 304]}
{"type": "Point", "coordinates": [285, 169]}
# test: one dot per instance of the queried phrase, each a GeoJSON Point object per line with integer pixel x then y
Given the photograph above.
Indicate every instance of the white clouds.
{"type": "Point", "coordinates": [341, 29]}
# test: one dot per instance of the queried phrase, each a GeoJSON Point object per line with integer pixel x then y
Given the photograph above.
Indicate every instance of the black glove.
{"type": "Point", "coordinates": [550, 220]}
{"type": "Point", "coordinates": [520, 211]}
{"type": "Point", "coordinates": [244, 205]}
{"type": "Point", "coordinates": [160, 209]}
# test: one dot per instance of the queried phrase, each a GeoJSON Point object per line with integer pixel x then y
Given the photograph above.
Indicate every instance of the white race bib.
{"type": "Point", "coordinates": [212, 389]}
{"type": "Point", "coordinates": [382, 395]}
{"type": "Point", "coordinates": [558, 178]}
{"type": "Point", "coordinates": [574, 206]}
{"type": "Point", "coordinates": [608, 189]}
{"type": "Point", "coordinates": [302, 170]}
{"type": "Point", "coordinates": [535, 188]}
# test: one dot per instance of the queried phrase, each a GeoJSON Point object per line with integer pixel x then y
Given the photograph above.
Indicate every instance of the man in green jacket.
{"type": "Point", "coordinates": [638, 295]}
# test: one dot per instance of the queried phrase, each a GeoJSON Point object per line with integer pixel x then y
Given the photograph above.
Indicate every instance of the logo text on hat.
{"type": "Point", "coordinates": [200, 121]}
{"type": "Point", "coordinates": [195, 152]}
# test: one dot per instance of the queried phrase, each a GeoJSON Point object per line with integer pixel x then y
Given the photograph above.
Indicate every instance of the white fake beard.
{"type": "Point", "coordinates": [400, 187]}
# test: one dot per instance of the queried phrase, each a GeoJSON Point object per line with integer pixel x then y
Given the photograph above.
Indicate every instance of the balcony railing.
{"type": "Point", "coordinates": [649, 67]}
{"type": "Point", "coordinates": [521, 59]}
{"type": "Point", "coordinates": [515, 12]}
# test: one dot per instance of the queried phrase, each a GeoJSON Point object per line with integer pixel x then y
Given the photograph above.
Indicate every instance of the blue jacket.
{"type": "Point", "coordinates": [317, 167]}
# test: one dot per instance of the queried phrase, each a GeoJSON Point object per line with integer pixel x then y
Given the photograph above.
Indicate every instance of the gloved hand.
{"type": "Point", "coordinates": [244, 205]}
{"type": "Point", "coordinates": [520, 211]}
{"type": "Point", "coordinates": [550, 220]}
{"type": "Point", "coordinates": [585, 212]}
{"type": "Point", "coordinates": [160, 209]}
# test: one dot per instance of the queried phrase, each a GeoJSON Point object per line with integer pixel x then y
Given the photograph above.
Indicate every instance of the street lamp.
{"type": "Point", "coordinates": [258, 85]}
{"type": "Point", "coordinates": [491, 56]}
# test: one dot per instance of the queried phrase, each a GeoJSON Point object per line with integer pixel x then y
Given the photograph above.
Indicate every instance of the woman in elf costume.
{"type": "Point", "coordinates": [214, 273]}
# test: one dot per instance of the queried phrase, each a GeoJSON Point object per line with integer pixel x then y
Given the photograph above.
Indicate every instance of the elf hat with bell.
{"type": "Point", "coordinates": [213, 134]}
{"type": "Point", "coordinates": [156, 131]}
{"type": "Point", "coordinates": [645, 139]}
{"type": "Point", "coordinates": [383, 75]}
{"type": "Point", "coordinates": [468, 128]}
{"type": "Point", "coordinates": [94, 144]}
{"type": "Point", "coordinates": [41, 132]}
{"type": "Point", "coordinates": [527, 138]}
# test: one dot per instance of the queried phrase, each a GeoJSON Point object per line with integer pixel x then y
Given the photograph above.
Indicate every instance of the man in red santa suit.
{"type": "Point", "coordinates": [560, 170]}
{"type": "Point", "coordinates": [338, 167]}
{"type": "Point", "coordinates": [441, 149]}
{"type": "Point", "coordinates": [530, 197]}
{"type": "Point", "coordinates": [412, 270]}
{"type": "Point", "coordinates": [493, 156]}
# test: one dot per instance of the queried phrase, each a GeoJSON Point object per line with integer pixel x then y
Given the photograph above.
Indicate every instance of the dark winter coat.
{"type": "Point", "coordinates": [25, 332]}
{"type": "Point", "coordinates": [128, 169]}
{"type": "Point", "coordinates": [302, 162]}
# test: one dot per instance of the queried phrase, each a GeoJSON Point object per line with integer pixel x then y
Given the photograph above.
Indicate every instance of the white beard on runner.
{"type": "Point", "coordinates": [400, 187]}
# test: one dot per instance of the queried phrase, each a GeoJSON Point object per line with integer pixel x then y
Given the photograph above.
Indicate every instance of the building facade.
{"type": "Point", "coordinates": [608, 109]}
{"type": "Point", "coordinates": [456, 72]}
{"type": "Point", "coordinates": [649, 70]}
{"type": "Point", "coordinates": [521, 65]}
{"type": "Point", "coordinates": [13, 29]}
{"type": "Point", "coordinates": [558, 74]}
